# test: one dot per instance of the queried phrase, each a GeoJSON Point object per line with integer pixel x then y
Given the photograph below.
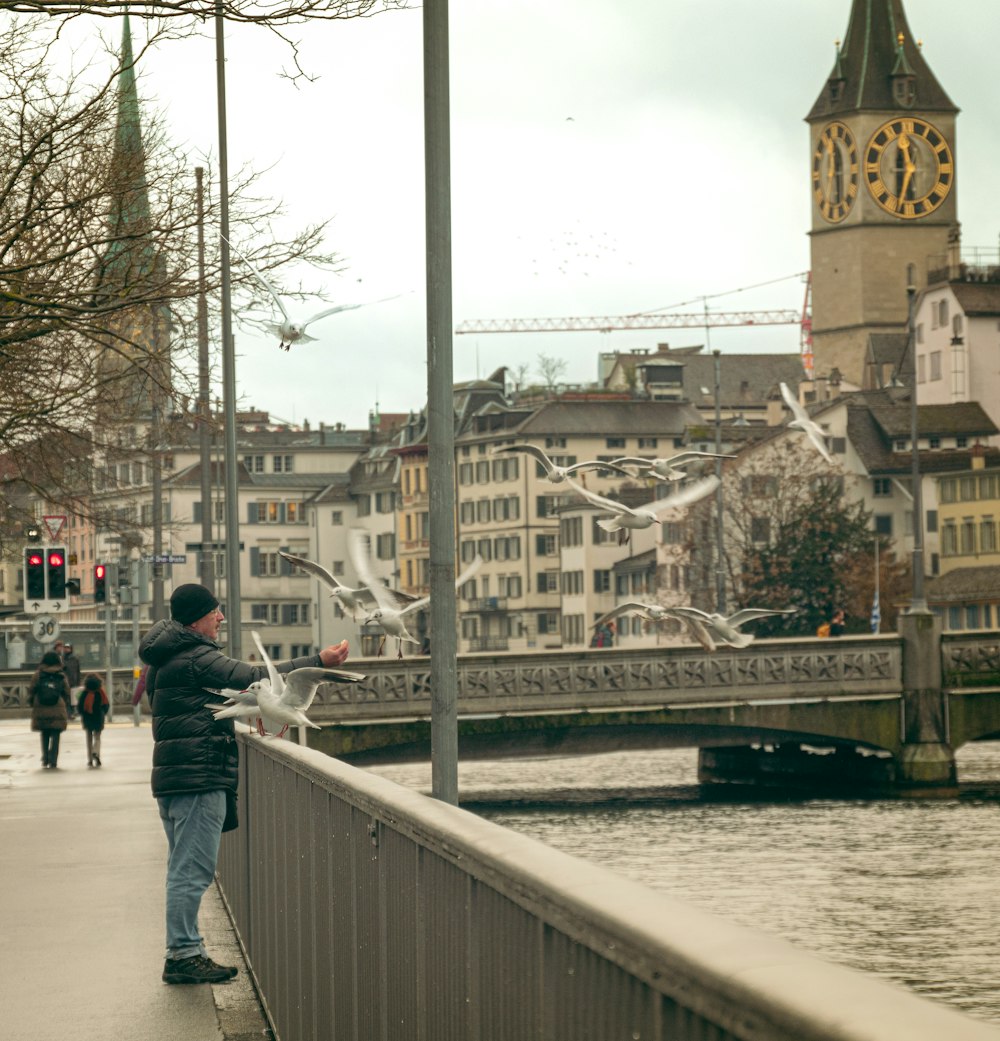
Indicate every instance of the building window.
{"type": "Point", "coordinates": [572, 583]}
{"type": "Point", "coordinates": [485, 547]}
{"type": "Point", "coordinates": [967, 489]}
{"type": "Point", "coordinates": [546, 545]}
{"type": "Point", "coordinates": [573, 628]}
{"type": "Point", "coordinates": [269, 564]}
{"type": "Point", "coordinates": [932, 521]}
{"type": "Point", "coordinates": [548, 623]}
{"type": "Point", "coordinates": [883, 524]}
{"type": "Point", "coordinates": [337, 517]}
{"type": "Point", "coordinates": [760, 529]}
{"type": "Point", "coordinates": [483, 511]}
{"type": "Point", "coordinates": [364, 505]}
{"type": "Point", "coordinates": [946, 489]}
{"type": "Point", "coordinates": [546, 504]}
{"type": "Point", "coordinates": [548, 581]}
{"type": "Point", "coordinates": [267, 613]}
{"type": "Point", "coordinates": [600, 537]}
{"type": "Point", "coordinates": [987, 535]}
{"type": "Point", "coordinates": [483, 471]}
{"type": "Point", "coordinates": [270, 513]}
{"type": "Point", "coordinates": [555, 442]}
{"type": "Point", "coordinates": [294, 513]}
{"type": "Point", "coordinates": [648, 442]}
{"type": "Point", "coordinates": [933, 442]}
{"type": "Point", "coordinates": [935, 365]}
{"type": "Point", "coordinates": [571, 531]}
{"type": "Point", "coordinates": [672, 532]}
{"type": "Point", "coordinates": [899, 446]}
{"type": "Point", "coordinates": [920, 368]}
{"type": "Point", "coordinates": [509, 586]}
{"type": "Point", "coordinates": [602, 580]}
{"type": "Point", "coordinates": [949, 539]}
{"type": "Point", "coordinates": [972, 616]}
{"type": "Point", "coordinates": [282, 464]}
{"type": "Point", "coordinates": [385, 546]}
{"type": "Point", "coordinates": [967, 536]}
{"type": "Point", "coordinates": [961, 442]}
{"type": "Point", "coordinates": [882, 487]}
{"type": "Point", "coordinates": [954, 617]}
{"type": "Point", "coordinates": [614, 442]}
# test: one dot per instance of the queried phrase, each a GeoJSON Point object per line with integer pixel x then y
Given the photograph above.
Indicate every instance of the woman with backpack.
{"type": "Point", "coordinates": [48, 696]}
{"type": "Point", "coordinates": [93, 705]}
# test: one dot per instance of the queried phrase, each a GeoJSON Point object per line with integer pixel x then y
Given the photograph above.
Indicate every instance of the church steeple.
{"type": "Point", "coordinates": [878, 43]}
{"type": "Point", "coordinates": [883, 178]}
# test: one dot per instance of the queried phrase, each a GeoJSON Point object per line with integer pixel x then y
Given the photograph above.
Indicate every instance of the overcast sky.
{"type": "Point", "coordinates": [608, 157]}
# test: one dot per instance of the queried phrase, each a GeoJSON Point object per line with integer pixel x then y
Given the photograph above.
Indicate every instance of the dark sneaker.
{"type": "Point", "coordinates": [195, 970]}
{"type": "Point", "coordinates": [230, 969]}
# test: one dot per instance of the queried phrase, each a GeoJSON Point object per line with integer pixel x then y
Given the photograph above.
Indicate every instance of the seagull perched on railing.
{"type": "Point", "coordinates": [293, 330]}
{"type": "Point", "coordinates": [707, 628]}
{"type": "Point", "coordinates": [557, 474]}
{"type": "Point", "coordinates": [802, 422]}
{"type": "Point", "coordinates": [624, 518]}
{"type": "Point", "coordinates": [356, 603]}
{"type": "Point", "coordinates": [280, 701]}
{"type": "Point", "coordinates": [390, 618]}
{"type": "Point", "coordinates": [669, 469]}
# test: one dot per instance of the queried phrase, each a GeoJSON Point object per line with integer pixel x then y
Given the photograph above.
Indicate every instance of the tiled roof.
{"type": "Point", "coordinates": [966, 583]}
{"type": "Point", "coordinates": [610, 418]}
{"type": "Point", "coordinates": [962, 418]}
{"type": "Point", "coordinates": [977, 300]}
{"type": "Point", "coordinates": [745, 380]}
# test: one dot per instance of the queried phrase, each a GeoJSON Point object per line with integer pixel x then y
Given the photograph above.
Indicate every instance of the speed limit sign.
{"type": "Point", "coordinates": [44, 628]}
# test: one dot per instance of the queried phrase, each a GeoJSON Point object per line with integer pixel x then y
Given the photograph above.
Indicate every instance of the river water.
{"type": "Point", "coordinates": [904, 889]}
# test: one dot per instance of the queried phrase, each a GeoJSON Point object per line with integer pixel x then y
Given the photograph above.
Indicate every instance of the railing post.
{"type": "Point", "coordinates": [926, 765]}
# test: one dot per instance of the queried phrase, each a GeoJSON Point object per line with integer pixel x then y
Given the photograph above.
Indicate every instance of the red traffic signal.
{"type": "Point", "coordinates": [100, 583]}
{"type": "Point", "coordinates": [34, 574]}
{"type": "Point", "coordinates": [56, 569]}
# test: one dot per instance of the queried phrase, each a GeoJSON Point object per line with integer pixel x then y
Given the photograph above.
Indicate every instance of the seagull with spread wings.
{"type": "Point", "coordinates": [356, 603]}
{"type": "Point", "coordinates": [280, 701]}
{"type": "Point", "coordinates": [293, 329]}
{"type": "Point", "coordinates": [387, 615]}
{"type": "Point", "coordinates": [802, 422]}
{"type": "Point", "coordinates": [557, 474]}
{"type": "Point", "coordinates": [669, 469]}
{"type": "Point", "coordinates": [707, 628]}
{"type": "Point", "coordinates": [624, 518]}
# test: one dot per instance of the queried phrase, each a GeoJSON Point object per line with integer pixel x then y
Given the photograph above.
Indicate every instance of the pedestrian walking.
{"type": "Point", "coordinates": [71, 666]}
{"type": "Point", "coordinates": [140, 689]}
{"type": "Point", "coordinates": [196, 761]}
{"type": "Point", "coordinates": [93, 705]}
{"type": "Point", "coordinates": [48, 695]}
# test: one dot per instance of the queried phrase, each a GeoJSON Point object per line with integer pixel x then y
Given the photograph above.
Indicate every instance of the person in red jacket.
{"type": "Point", "coordinates": [93, 706]}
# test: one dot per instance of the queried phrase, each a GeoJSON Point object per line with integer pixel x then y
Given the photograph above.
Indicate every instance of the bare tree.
{"type": "Point", "coordinates": [98, 261]}
{"type": "Point", "coordinates": [549, 370]}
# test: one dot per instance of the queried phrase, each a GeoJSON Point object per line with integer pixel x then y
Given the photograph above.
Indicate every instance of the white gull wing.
{"type": "Point", "coordinates": [358, 545]}
{"type": "Point", "coordinates": [348, 307]}
{"type": "Point", "coordinates": [687, 495]}
{"type": "Point", "coordinates": [532, 450]}
{"type": "Point", "coordinates": [301, 684]}
{"type": "Point", "coordinates": [459, 582]}
{"type": "Point", "coordinates": [610, 505]}
{"type": "Point", "coordinates": [277, 683]}
{"type": "Point", "coordinates": [263, 281]}
{"type": "Point", "coordinates": [596, 464]}
{"type": "Point", "coordinates": [802, 422]}
{"type": "Point", "coordinates": [748, 614]}
{"type": "Point", "coordinates": [651, 611]}
{"type": "Point", "coordinates": [314, 569]}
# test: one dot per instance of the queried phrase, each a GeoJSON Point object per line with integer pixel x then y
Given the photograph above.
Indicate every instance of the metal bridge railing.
{"type": "Point", "coordinates": [368, 911]}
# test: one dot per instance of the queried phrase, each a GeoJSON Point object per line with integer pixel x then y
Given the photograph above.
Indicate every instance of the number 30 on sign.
{"type": "Point", "coordinates": [44, 628]}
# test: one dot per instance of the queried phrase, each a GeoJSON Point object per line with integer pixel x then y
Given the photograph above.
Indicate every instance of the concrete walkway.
{"type": "Point", "coordinates": [82, 865]}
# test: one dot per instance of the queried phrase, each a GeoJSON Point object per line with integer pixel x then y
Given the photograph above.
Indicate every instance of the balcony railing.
{"type": "Point", "coordinates": [488, 643]}
{"type": "Point", "coordinates": [489, 603]}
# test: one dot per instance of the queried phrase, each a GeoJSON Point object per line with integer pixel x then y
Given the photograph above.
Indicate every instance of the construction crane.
{"type": "Point", "coordinates": [693, 320]}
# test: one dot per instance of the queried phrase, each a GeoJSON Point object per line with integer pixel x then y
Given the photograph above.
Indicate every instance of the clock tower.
{"type": "Point", "coordinates": [882, 177]}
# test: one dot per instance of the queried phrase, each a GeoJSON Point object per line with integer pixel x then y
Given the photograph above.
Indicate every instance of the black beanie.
{"type": "Point", "coordinates": [190, 602]}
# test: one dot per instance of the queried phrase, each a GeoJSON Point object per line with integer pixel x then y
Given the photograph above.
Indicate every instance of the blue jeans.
{"type": "Point", "coordinates": [193, 824]}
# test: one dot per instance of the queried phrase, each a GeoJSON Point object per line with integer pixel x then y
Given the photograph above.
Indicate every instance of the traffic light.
{"type": "Point", "coordinates": [34, 573]}
{"type": "Point", "coordinates": [55, 565]}
{"type": "Point", "coordinates": [100, 583]}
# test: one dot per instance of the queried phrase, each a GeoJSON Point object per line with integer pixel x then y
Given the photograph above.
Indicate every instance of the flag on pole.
{"type": "Point", "coordinates": [876, 613]}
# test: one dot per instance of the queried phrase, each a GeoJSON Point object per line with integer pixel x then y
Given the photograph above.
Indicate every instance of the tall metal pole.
{"type": "Point", "coordinates": [206, 570]}
{"type": "Point", "coordinates": [440, 406]}
{"type": "Point", "coordinates": [918, 603]}
{"type": "Point", "coordinates": [235, 637]}
{"type": "Point", "coordinates": [156, 433]}
{"type": "Point", "coordinates": [720, 574]}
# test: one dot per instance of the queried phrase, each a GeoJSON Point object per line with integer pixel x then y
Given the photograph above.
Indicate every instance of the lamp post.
{"type": "Point", "coordinates": [918, 603]}
{"type": "Point", "coordinates": [720, 575]}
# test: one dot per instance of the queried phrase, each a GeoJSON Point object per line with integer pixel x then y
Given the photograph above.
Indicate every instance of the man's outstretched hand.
{"type": "Point", "coordinates": [334, 655]}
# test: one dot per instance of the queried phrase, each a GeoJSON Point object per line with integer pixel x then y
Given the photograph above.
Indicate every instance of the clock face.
{"type": "Point", "coordinates": [909, 168]}
{"type": "Point", "coordinates": [835, 172]}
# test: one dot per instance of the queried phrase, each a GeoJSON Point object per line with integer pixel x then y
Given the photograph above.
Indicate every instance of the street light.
{"type": "Point", "coordinates": [918, 603]}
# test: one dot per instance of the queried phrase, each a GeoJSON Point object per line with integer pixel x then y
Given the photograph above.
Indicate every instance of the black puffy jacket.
{"type": "Point", "coordinates": [193, 751]}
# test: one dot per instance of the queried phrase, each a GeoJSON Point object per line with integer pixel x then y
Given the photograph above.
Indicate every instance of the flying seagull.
{"type": "Point", "coordinates": [623, 518]}
{"type": "Point", "coordinates": [708, 628]}
{"type": "Point", "coordinates": [280, 700]}
{"type": "Point", "coordinates": [558, 474]}
{"type": "Point", "coordinates": [669, 469]}
{"type": "Point", "coordinates": [390, 618]}
{"type": "Point", "coordinates": [805, 424]}
{"type": "Point", "coordinates": [355, 602]}
{"type": "Point", "coordinates": [293, 330]}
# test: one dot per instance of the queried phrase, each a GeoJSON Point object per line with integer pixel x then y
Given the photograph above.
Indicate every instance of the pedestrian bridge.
{"type": "Point", "coordinates": [848, 693]}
